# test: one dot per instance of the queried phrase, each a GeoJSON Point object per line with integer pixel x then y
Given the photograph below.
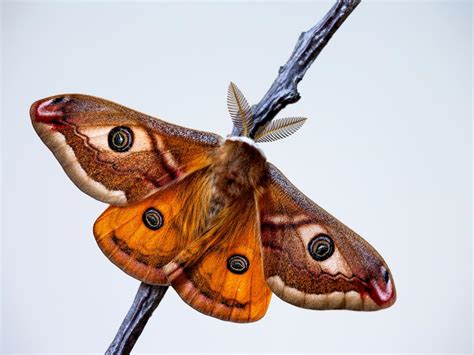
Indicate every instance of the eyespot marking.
{"type": "Point", "coordinates": [321, 247]}
{"type": "Point", "coordinates": [120, 139]}
{"type": "Point", "coordinates": [238, 264]}
{"type": "Point", "coordinates": [153, 219]}
{"type": "Point", "coordinates": [57, 100]}
{"type": "Point", "coordinates": [386, 276]}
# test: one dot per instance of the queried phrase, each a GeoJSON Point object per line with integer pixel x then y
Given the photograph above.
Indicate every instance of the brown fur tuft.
{"type": "Point", "coordinates": [238, 168]}
{"type": "Point", "coordinates": [237, 174]}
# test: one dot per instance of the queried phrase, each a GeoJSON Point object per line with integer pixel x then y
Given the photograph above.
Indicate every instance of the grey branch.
{"type": "Point", "coordinates": [282, 92]}
{"type": "Point", "coordinates": [148, 297]}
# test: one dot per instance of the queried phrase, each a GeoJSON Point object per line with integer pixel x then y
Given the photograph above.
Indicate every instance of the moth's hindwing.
{"type": "Point", "coordinates": [221, 273]}
{"type": "Point", "coordinates": [143, 237]}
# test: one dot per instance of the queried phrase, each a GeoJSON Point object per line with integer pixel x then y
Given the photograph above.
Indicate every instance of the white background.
{"type": "Point", "coordinates": [387, 150]}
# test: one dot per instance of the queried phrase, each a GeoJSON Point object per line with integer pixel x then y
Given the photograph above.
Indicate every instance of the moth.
{"type": "Point", "coordinates": [209, 216]}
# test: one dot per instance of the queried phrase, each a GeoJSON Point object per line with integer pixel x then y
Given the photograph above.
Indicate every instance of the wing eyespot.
{"type": "Point", "coordinates": [386, 275]}
{"type": "Point", "coordinates": [321, 247]}
{"type": "Point", "coordinates": [120, 139]}
{"type": "Point", "coordinates": [57, 100]}
{"type": "Point", "coordinates": [238, 264]}
{"type": "Point", "coordinates": [152, 219]}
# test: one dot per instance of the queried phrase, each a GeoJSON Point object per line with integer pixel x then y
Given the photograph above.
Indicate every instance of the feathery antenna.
{"type": "Point", "coordinates": [239, 110]}
{"type": "Point", "coordinates": [279, 129]}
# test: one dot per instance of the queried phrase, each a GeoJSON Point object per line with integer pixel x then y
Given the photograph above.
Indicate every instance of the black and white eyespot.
{"type": "Point", "coordinates": [153, 219]}
{"type": "Point", "coordinates": [57, 100]}
{"type": "Point", "coordinates": [386, 275]}
{"type": "Point", "coordinates": [120, 139]}
{"type": "Point", "coordinates": [321, 247]}
{"type": "Point", "coordinates": [238, 264]}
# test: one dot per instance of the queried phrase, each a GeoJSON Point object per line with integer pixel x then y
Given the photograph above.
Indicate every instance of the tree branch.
{"type": "Point", "coordinates": [284, 90]}
{"type": "Point", "coordinates": [282, 93]}
{"type": "Point", "coordinates": [148, 297]}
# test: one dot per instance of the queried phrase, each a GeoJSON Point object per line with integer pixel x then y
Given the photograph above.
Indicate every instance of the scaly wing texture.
{"type": "Point", "coordinates": [117, 155]}
{"type": "Point", "coordinates": [143, 237]}
{"type": "Point", "coordinates": [314, 261]}
{"type": "Point", "coordinates": [226, 280]}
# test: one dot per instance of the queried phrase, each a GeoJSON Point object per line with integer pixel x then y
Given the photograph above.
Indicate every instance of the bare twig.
{"type": "Point", "coordinates": [284, 89]}
{"type": "Point", "coordinates": [282, 92]}
{"type": "Point", "coordinates": [148, 297]}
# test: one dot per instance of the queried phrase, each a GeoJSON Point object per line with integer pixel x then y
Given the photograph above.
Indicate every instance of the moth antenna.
{"type": "Point", "coordinates": [279, 129]}
{"type": "Point", "coordinates": [239, 110]}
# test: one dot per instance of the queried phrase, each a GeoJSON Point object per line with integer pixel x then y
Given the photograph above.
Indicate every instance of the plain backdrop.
{"type": "Point", "coordinates": [387, 150]}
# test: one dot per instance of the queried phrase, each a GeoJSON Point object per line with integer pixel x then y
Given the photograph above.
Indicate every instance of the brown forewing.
{"type": "Point", "coordinates": [76, 129]}
{"type": "Point", "coordinates": [354, 277]}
